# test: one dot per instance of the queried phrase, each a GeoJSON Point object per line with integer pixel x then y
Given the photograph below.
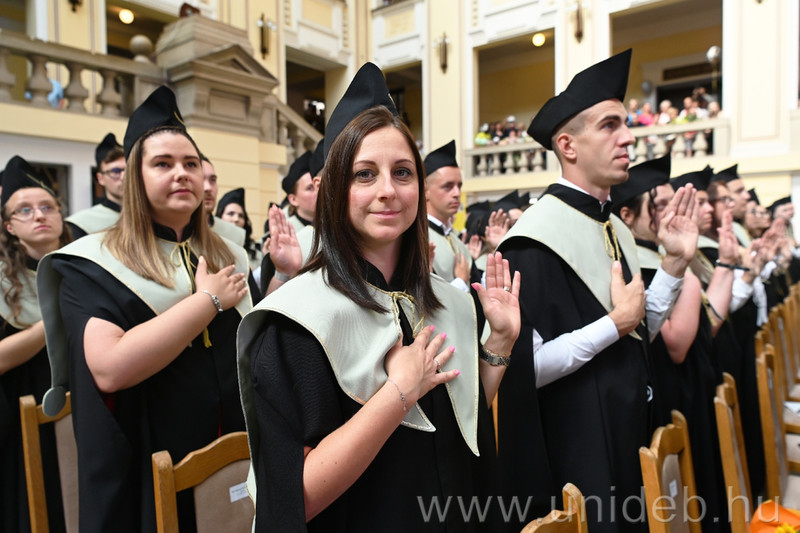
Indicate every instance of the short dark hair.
{"type": "Point", "coordinates": [112, 155]}
{"type": "Point", "coordinates": [336, 244]}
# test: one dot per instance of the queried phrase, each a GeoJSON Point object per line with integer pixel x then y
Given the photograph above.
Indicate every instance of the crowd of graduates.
{"type": "Point", "coordinates": [366, 343]}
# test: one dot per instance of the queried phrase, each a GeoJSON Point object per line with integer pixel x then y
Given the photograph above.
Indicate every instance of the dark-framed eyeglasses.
{"type": "Point", "coordinates": [26, 213]}
{"type": "Point", "coordinates": [113, 173]}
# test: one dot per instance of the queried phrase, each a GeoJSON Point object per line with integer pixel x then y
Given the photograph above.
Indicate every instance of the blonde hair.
{"type": "Point", "coordinates": [132, 240]}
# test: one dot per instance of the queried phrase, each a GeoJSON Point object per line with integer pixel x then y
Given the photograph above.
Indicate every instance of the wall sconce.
{"type": "Point", "coordinates": [578, 20]}
{"type": "Point", "coordinates": [441, 45]}
{"type": "Point", "coordinates": [714, 56]}
{"type": "Point", "coordinates": [74, 4]}
{"type": "Point", "coordinates": [265, 26]}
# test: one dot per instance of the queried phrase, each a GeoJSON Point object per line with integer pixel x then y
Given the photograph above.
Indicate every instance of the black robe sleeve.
{"type": "Point", "coordinates": [298, 403]}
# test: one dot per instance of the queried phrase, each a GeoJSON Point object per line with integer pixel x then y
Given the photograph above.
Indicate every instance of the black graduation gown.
{"type": "Point", "coordinates": [690, 387]}
{"type": "Point", "coordinates": [268, 267]}
{"type": "Point", "coordinates": [31, 377]}
{"type": "Point", "coordinates": [594, 420]}
{"type": "Point", "coordinates": [185, 406]}
{"type": "Point", "coordinates": [77, 232]}
{"type": "Point", "coordinates": [734, 345]}
{"type": "Point", "coordinates": [298, 403]}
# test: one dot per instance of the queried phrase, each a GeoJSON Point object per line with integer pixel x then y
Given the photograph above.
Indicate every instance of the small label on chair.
{"type": "Point", "coordinates": [238, 492]}
{"type": "Point", "coordinates": [673, 488]}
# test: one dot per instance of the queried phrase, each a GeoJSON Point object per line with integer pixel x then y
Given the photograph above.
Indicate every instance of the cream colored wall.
{"type": "Point", "coordinates": [682, 44]}
{"type": "Point", "coordinates": [444, 110]}
{"type": "Point", "coordinates": [517, 91]}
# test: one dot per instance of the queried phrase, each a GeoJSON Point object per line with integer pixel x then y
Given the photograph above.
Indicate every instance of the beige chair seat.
{"type": "Point", "coordinates": [791, 493]}
{"type": "Point", "coordinates": [791, 419]}
{"type": "Point", "coordinates": [794, 393]}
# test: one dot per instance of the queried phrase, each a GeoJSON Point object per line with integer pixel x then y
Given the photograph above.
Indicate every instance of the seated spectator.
{"type": "Point", "coordinates": [646, 116]}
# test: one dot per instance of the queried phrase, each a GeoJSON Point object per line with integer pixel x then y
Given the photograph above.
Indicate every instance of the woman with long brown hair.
{"type": "Point", "coordinates": [33, 226]}
{"type": "Point", "coordinates": [365, 386]}
{"type": "Point", "coordinates": [146, 313]}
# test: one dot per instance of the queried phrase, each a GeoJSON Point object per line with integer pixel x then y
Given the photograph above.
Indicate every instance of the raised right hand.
{"type": "Point", "coordinates": [284, 250]}
{"type": "Point", "coordinates": [628, 300]}
{"type": "Point", "coordinates": [414, 367]}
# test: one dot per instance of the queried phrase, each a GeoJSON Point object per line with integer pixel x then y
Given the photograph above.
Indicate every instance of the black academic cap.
{"type": "Point", "coordinates": [754, 196]}
{"type": "Point", "coordinates": [444, 156]}
{"type": "Point", "coordinates": [775, 204]}
{"type": "Point", "coordinates": [19, 174]}
{"type": "Point", "coordinates": [641, 178]}
{"type": "Point", "coordinates": [108, 144]}
{"type": "Point", "coordinates": [1, 177]}
{"type": "Point", "coordinates": [296, 171]}
{"type": "Point", "coordinates": [159, 109]}
{"type": "Point", "coordinates": [368, 89]}
{"type": "Point", "coordinates": [317, 160]}
{"type": "Point", "coordinates": [508, 202]}
{"type": "Point", "coordinates": [602, 81]}
{"type": "Point", "coordinates": [477, 218]}
{"type": "Point", "coordinates": [524, 200]}
{"type": "Point", "coordinates": [700, 179]}
{"type": "Point", "coordinates": [727, 175]}
{"type": "Point", "coordinates": [236, 196]}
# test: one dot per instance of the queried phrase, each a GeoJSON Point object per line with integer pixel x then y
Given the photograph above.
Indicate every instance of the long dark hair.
{"type": "Point", "coordinates": [336, 250]}
{"type": "Point", "coordinates": [13, 256]}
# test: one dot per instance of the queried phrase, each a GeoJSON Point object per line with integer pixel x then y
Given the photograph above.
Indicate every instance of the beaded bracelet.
{"type": "Point", "coordinates": [402, 396]}
{"type": "Point", "coordinates": [495, 359]}
{"type": "Point", "coordinates": [214, 300]}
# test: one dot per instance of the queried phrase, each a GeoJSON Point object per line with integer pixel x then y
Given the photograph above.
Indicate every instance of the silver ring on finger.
{"type": "Point", "coordinates": [438, 365]}
{"type": "Point", "coordinates": [507, 288]}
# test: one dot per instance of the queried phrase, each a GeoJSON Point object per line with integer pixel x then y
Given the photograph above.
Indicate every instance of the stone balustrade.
{"type": "Point", "coordinates": [693, 139]}
{"type": "Point", "coordinates": [125, 83]}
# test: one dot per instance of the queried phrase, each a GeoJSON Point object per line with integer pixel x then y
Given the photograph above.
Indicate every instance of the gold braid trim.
{"type": "Point", "coordinates": [184, 253]}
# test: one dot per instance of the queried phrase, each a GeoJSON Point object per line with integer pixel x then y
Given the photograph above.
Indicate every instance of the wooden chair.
{"type": "Point", "coordinates": [781, 454]}
{"type": "Point", "coordinates": [31, 417]}
{"type": "Point", "coordinates": [668, 475]}
{"type": "Point", "coordinates": [217, 473]}
{"type": "Point", "coordinates": [571, 520]}
{"type": "Point", "coordinates": [734, 458]}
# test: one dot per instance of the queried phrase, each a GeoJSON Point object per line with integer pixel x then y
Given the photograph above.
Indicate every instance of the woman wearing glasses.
{"type": "Point", "coordinates": [32, 227]}
{"type": "Point", "coordinates": [110, 161]}
{"type": "Point", "coordinates": [146, 314]}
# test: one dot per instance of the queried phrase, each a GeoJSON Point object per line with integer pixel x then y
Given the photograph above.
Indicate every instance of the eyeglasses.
{"type": "Point", "coordinates": [757, 213]}
{"type": "Point", "coordinates": [26, 213]}
{"type": "Point", "coordinates": [113, 173]}
{"type": "Point", "coordinates": [725, 199]}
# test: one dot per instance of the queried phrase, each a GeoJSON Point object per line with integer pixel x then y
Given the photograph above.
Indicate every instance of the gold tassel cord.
{"type": "Point", "coordinates": [184, 253]}
{"type": "Point", "coordinates": [407, 303]}
{"type": "Point", "coordinates": [612, 244]}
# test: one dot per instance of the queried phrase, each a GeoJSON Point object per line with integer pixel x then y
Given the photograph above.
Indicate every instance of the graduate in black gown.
{"type": "Point", "coordinates": [231, 208]}
{"type": "Point", "coordinates": [576, 403]}
{"type": "Point", "coordinates": [110, 161]}
{"type": "Point", "coordinates": [748, 296]}
{"type": "Point", "coordinates": [684, 376]}
{"type": "Point", "coordinates": [369, 411]}
{"type": "Point", "coordinates": [32, 227]}
{"type": "Point", "coordinates": [146, 316]}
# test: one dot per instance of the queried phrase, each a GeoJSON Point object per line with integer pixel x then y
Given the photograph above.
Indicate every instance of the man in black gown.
{"type": "Point", "coordinates": [575, 403]}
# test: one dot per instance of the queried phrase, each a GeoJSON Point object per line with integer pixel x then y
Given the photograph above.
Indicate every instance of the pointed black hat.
{"type": "Point", "coordinates": [317, 160]}
{"type": "Point", "coordinates": [727, 175]}
{"type": "Point", "coordinates": [296, 171]}
{"type": "Point", "coordinates": [159, 109]}
{"type": "Point", "coordinates": [444, 156]}
{"type": "Point", "coordinates": [368, 89]}
{"type": "Point", "coordinates": [19, 174]}
{"type": "Point", "coordinates": [108, 144]}
{"type": "Point", "coordinates": [236, 196]}
{"type": "Point", "coordinates": [602, 81]}
{"type": "Point", "coordinates": [700, 179]}
{"type": "Point", "coordinates": [641, 178]}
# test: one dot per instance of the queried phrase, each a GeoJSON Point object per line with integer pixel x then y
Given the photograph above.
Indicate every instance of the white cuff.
{"type": "Point", "coordinates": [565, 354]}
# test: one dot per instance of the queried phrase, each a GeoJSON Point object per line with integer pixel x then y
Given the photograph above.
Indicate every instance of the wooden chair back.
{"type": "Point", "coordinates": [773, 432]}
{"type": "Point", "coordinates": [734, 458]}
{"type": "Point", "coordinates": [31, 417]}
{"type": "Point", "coordinates": [571, 520]}
{"type": "Point", "coordinates": [217, 473]}
{"type": "Point", "coordinates": [669, 486]}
